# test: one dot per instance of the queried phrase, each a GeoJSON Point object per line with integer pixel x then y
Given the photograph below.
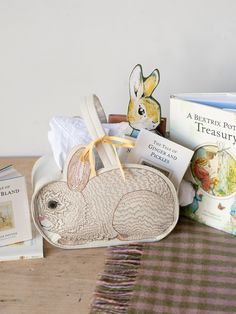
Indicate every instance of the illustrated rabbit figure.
{"type": "Point", "coordinates": [84, 209]}
{"type": "Point", "coordinates": [144, 112]}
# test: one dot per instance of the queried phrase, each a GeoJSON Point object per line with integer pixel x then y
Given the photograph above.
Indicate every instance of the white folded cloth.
{"type": "Point", "coordinates": [67, 132]}
{"type": "Point", "coordinates": [186, 193]}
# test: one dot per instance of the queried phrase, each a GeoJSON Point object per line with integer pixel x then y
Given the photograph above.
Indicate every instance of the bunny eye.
{"type": "Point", "coordinates": [52, 204]}
{"type": "Point", "coordinates": [141, 111]}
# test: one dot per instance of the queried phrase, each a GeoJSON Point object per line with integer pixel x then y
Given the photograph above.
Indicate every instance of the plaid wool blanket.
{"type": "Point", "coordinates": [191, 271]}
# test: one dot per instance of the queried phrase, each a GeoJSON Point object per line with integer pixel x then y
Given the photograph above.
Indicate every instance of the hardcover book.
{"type": "Point", "coordinates": [29, 249]}
{"type": "Point", "coordinates": [206, 123]}
{"type": "Point", "coordinates": [15, 225]}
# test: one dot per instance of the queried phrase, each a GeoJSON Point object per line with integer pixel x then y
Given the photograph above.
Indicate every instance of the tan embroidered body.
{"type": "Point", "coordinates": [108, 208]}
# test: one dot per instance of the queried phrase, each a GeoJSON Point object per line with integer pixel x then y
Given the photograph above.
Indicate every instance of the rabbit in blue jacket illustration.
{"type": "Point", "coordinates": [144, 112]}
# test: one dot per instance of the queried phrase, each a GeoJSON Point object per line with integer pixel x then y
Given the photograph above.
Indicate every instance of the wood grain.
{"type": "Point", "coordinates": [62, 282]}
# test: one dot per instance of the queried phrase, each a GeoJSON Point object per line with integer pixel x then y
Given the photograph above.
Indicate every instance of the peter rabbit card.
{"type": "Point", "coordinates": [155, 151]}
{"type": "Point", "coordinates": [144, 111]}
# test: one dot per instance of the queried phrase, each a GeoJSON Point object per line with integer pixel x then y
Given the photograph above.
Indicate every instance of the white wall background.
{"type": "Point", "coordinates": [54, 52]}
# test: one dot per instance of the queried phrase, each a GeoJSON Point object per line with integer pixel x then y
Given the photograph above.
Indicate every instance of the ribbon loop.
{"type": "Point", "coordinates": [114, 141]}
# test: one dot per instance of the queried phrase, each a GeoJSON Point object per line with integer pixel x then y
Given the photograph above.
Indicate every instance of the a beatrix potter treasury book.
{"type": "Point", "coordinates": [15, 225]}
{"type": "Point", "coordinates": [206, 123]}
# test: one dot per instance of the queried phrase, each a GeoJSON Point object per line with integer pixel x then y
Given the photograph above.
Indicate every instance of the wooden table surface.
{"type": "Point", "coordinates": [62, 282]}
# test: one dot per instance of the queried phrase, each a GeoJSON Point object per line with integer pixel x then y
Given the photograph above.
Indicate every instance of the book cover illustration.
{"type": "Point", "coordinates": [6, 216]}
{"type": "Point", "coordinates": [15, 225]}
{"type": "Point", "coordinates": [144, 111]}
{"type": "Point", "coordinates": [211, 178]}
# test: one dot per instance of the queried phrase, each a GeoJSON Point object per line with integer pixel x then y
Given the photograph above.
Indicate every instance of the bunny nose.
{"type": "Point", "coordinates": [41, 218]}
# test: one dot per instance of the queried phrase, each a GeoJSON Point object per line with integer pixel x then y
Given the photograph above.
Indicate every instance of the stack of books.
{"type": "Point", "coordinates": [18, 237]}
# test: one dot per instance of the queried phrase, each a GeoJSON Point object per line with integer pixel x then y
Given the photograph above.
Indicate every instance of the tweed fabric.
{"type": "Point", "coordinates": [192, 271]}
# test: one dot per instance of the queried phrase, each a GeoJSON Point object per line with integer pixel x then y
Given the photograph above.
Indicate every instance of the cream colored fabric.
{"type": "Point", "coordinates": [77, 210]}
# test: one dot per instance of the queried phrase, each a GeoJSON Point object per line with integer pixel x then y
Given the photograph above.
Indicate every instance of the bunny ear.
{"type": "Point", "coordinates": [151, 82]}
{"type": "Point", "coordinates": [78, 172]}
{"type": "Point", "coordinates": [136, 82]}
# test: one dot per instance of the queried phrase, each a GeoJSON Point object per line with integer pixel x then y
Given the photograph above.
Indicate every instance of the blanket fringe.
{"type": "Point", "coordinates": [115, 286]}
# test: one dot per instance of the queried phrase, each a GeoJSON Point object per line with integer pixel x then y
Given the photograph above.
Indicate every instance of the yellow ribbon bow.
{"type": "Point", "coordinates": [114, 141]}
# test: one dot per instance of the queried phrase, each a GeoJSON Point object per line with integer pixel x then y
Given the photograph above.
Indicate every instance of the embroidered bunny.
{"type": "Point", "coordinates": [83, 209]}
{"type": "Point", "coordinates": [117, 203]}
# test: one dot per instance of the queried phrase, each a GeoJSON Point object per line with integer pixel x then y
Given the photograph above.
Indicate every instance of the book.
{"type": "Point", "coordinates": [15, 224]}
{"type": "Point", "coordinates": [29, 249]}
{"type": "Point", "coordinates": [206, 123]}
{"type": "Point", "coordinates": [156, 151]}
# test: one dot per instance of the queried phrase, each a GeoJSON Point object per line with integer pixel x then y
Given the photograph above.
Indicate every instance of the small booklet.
{"type": "Point", "coordinates": [156, 151]}
{"type": "Point", "coordinates": [15, 224]}
{"type": "Point", "coordinates": [24, 250]}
